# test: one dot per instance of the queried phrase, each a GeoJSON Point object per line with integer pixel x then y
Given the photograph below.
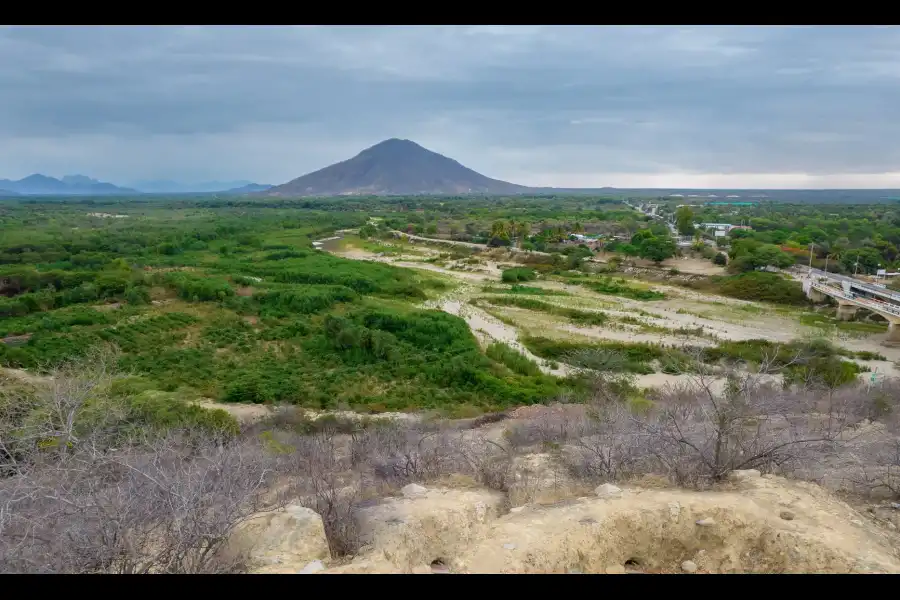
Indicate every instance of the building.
{"type": "Point", "coordinates": [717, 226]}
{"type": "Point", "coordinates": [723, 226]}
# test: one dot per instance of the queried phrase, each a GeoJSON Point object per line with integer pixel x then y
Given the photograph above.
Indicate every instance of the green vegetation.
{"type": "Point", "coordinates": [850, 237]}
{"type": "Point", "coordinates": [655, 246]}
{"type": "Point", "coordinates": [523, 289]}
{"type": "Point", "coordinates": [819, 320]}
{"type": "Point", "coordinates": [614, 287]}
{"type": "Point", "coordinates": [513, 359]}
{"type": "Point", "coordinates": [749, 254]}
{"type": "Point", "coordinates": [518, 274]}
{"type": "Point", "coordinates": [800, 362]}
{"type": "Point", "coordinates": [684, 220]}
{"type": "Point", "coordinates": [760, 286]}
{"type": "Point", "coordinates": [581, 317]}
{"type": "Point", "coordinates": [230, 301]}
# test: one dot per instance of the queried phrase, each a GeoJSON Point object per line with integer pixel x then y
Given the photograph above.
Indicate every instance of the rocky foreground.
{"type": "Point", "coordinates": [751, 524]}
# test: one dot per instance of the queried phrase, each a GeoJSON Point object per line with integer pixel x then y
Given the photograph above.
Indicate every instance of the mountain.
{"type": "Point", "coordinates": [250, 188]}
{"type": "Point", "coordinates": [69, 185]}
{"type": "Point", "coordinates": [395, 167]}
{"type": "Point", "coordinates": [203, 187]}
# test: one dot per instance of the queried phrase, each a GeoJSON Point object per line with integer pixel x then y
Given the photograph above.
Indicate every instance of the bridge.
{"type": "Point", "coordinates": [852, 294]}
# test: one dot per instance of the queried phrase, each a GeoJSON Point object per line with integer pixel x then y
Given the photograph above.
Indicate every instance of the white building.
{"type": "Point", "coordinates": [717, 226]}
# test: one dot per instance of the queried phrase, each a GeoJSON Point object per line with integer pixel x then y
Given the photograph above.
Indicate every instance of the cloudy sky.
{"type": "Point", "coordinates": [563, 106]}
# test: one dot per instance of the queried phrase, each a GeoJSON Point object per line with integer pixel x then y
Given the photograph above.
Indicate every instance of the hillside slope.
{"type": "Point", "coordinates": [395, 167]}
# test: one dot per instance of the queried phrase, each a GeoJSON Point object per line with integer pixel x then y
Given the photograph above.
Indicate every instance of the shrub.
{"type": "Point", "coordinates": [762, 286]}
{"type": "Point", "coordinates": [518, 274]}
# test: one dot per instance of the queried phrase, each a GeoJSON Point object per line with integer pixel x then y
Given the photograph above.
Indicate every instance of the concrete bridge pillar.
{"type": "Point", "coordinates": [846, 311]}
{"type": "Point", "coordinates": [815, 295]}
{"type": "Point", "coordinates": [893, 335]}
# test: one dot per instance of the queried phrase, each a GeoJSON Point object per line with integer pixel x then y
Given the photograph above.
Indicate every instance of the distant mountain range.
{"type": "Point", "coordinates": [70, 185]}
{"type": "Point", "coordinates": [395, 167]}
{"type": "Point", "coordinates": [81, 185]}
{"type": "Point", "coordinates": [402, 167]}
{"type": "Point", "coordinates": [250, 188]}
{"type": "Point", "coordinates": [204, 187]}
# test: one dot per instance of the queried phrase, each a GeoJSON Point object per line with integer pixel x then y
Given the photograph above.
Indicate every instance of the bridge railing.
{"type": "Point", "coordinates": [857, 283]}
{"type": "Point", "coordinates": [861, 300]}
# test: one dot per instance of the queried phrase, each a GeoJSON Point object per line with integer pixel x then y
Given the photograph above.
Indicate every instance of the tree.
{"type": "Point", "coordinates": [684, 220]}
{"type": "Point", "coordinates": [868, 259]}
{"type": "Point", "coordinates": [657, 249]}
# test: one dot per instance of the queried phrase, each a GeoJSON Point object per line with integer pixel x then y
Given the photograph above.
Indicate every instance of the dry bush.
{"type": "Point", "coordinates": [551, 429]}
{"type": "Point", "coordinates": [168, 506]}
{"type": "Point", "coordinates": [325, 481]}
{"type": "Point", "coordinates": [608, 445]}
{"type": "Point", "coordinates": [697, 432]}
{"type": "Point", "coordinates": [45, 422]}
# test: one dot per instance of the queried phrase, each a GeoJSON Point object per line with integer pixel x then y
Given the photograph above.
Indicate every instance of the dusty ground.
{"type": "Point", "coordinates": [753, 524]}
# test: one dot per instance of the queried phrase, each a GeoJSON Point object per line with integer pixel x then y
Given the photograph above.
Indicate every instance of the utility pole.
{"type": "Point", "coordinates": [826, 263]}
{"type": "Point", "coordinates": [856, 267]}
{"type": "Point", "coordinates": [810, 256]}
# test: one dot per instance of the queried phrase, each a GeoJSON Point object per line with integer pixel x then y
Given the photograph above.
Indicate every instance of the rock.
{"type": "Point", "coordinates": [744, 474]}
{"type": "Point", "coordinates": [312, 567]}
{"type": "Point", "coordinates": [540, 478]}
{"type": "Point", "coordinates": [689, 566]}
{"type": "Point", "coordinates": [413, 490]}
{"type": "Point", "coordinates": [741, 475]}
{"type": "Point", "coordinates": [421, 570]}
{"type": "Point", "coordinates": [575, 572]}
{"type": "Point", "coordinates": [440, 524]}
{"type": "Point", "coordinates": [517, 509]}
{"type": "Point", "coordinates": [509, 546]}
{"type": "Point", "coordinates": [608, 490]}
{"type": "Point", "coordinates": [747, 538]}
{"type": "Point", "coordinates": [292, 535]}
{"type": "Point", "coordinates": [786, 515]}
{"type": "Point", "coordinates": [895, 505]}
{"type": "Point", "coordinates": [674, 509]}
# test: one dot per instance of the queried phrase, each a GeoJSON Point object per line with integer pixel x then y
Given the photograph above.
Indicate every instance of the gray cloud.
{"type": "Point", "coordinates": [594, 106]}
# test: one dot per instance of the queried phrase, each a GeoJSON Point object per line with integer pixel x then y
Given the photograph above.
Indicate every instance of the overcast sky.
{"type": "Point", "coordinates": [562, 106]}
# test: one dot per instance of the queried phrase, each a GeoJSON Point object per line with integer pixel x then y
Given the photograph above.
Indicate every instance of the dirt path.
{"type": "Point", "coordinates": [484, 247]}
